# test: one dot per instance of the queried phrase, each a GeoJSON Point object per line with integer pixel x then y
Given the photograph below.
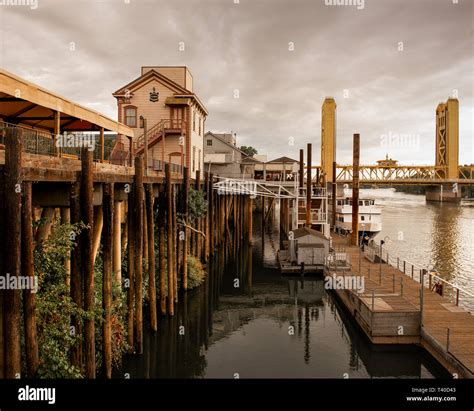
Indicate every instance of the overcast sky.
{"type": "Point", "coordinates": [388, 64]}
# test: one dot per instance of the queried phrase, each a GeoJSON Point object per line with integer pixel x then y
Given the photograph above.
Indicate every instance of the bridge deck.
{"type": "Point", "coordinates": [439, 313]}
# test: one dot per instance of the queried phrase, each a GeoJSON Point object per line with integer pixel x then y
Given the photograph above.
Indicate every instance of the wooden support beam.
{"type": "Point", "coordinates": [130, 284]}
{"type": "Point", "coordinates": [355, 189]}
{"type": "Point", "coordinates": [162, 268]}
{"type": "Point", "coordinates": [29, 296]}
{"type": "Point", "coordinates": [169, 213]}
{"type": "Point", "coordinates": [151, 256]}
{"type": "Point", "coordinates": [210, 211]}
{"type": "Point", "coordinates": [65, 214]}
{"type": "Point", "coordinates": [250, 219]}
{"type": "Point", "coordinates": [76, 287]}
{"type": "Point", "coordinates": [102, 145]}
{"type": "Point", "coordinates": [11, 308]}
{"type": "Point", "coordinates": [87, 217]}
{"type": "Point", "coordinates": [117, 243]}
{"type": "Point", "coordinates": [97, 232]}
{"type": "Point", "coordinates": [138, 211]}
{"type": "Point", "coordinates": [186, 230]}
{"type": "Point", "coordinates": [108, 211]}
{"type": "Point", "coordinates": [308, 187]}
{"type": "Point", "coordinates": [174, 241]}
{"type": "Point", "coordinates": [44, 229]}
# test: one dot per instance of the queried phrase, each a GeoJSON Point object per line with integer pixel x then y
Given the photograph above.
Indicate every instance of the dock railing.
{"type": "Point", "coordinates": [430, 279]}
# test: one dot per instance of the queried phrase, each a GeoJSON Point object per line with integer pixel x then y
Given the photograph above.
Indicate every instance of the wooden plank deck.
{"type": "Point", "coordinates": [395, 292]}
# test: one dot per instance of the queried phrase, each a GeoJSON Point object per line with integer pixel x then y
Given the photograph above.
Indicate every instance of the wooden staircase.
{"type": "Point", "coordinates": [158, 132]}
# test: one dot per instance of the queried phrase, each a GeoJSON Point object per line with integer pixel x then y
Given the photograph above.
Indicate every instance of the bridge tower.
{"type": "Point", "coordinates": [328, 139]}
{"type": "Point", "coordinates": [447, 151]}
{"type": "Point", "coordinates": [447, 137]}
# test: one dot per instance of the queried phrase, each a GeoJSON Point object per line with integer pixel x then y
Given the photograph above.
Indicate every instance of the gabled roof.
{"type": "Point", "coordinates": [147, 76]}
{"type": "Point", "coordinates": [180, 92]}
{"type": "Point", "coordinates": [218, 137]}
{"type": "Point", "coordinates": [283, 159]}
{"type": "Point", "coordinates": [250, 160]}
{"type": "Point", "coordinates": [301, 232]}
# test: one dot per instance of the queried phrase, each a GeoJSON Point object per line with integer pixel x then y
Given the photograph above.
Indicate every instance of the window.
{"type": "Point", "coordinates": [194, 121]}
{"type": "Point", "coordinates": [362, 218]}
{"type": "Point", "coordinates": [131, 116]}
{"type": "Point", "coordinates": [194, 158]}
{"type": "Point", "coordinates": [199, 159]}
{"type": "Point", "coordinates": [209, 143]}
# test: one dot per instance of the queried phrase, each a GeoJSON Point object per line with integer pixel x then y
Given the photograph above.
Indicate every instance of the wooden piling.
{"type": "Point", "coordinates": [174, 243]}
{"type": "Point", "coordinates": [210, 213]}
{"type": "Point", "coordinates": [29, 296]}
{"type": "Point", "coordinates": [355, 189]}
{"type": "Point", "coordinates": [308, 187]}
{"type": "Point", "coordinates": [186, 230]}
{"type": "Point", "coordinates": [151, 257]}
{"type": "Point", "coordinates": [108, 219]}
{"type": "Point", "coordinates": [138, 211]}
{"type": "Point", "coordinates": [2, 272]}
{"type": "Point", "coordinates": [162, 264]}
{"type": "Point", "coordinates": [117, 243]}
{"type": "Point", "coordinates": [169, 226]}
{"type": "Point", "coordinates": [76, 283]}
{"type": "Point", "coordinates": [208, 189]}
{"type": "Point", "coordinates": [130, 271]}
{"type": "Point", "coordinates": [11, 309]}
{"type": "Point", "coordinates": [97, 231]}
{"type": "Point", "coordinates": [250, 219]}
{"type": "Point", "coordinates": [87, 217]}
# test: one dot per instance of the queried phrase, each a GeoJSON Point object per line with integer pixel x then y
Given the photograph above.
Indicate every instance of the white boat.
{"type": "Point", "coordinates": [370, 216]}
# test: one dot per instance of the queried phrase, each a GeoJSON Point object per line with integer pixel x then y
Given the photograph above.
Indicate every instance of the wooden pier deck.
{"type": "Point", "coordinates": [392, 299]}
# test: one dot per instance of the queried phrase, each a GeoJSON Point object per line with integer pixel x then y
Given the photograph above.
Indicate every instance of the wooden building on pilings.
{"type": "Point", "coordinates": [122, 208]}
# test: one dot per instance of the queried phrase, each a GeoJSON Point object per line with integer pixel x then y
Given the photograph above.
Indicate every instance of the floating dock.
{"type": "Point", "coordinates": [392, 309]}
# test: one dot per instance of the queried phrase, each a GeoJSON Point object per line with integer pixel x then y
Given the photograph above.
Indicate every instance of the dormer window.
{"type": "Point", "coordinates": [131, 116]}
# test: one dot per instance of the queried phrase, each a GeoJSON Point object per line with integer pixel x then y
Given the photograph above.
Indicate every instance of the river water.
{"type": "Point", "coordinates": [247, 321]}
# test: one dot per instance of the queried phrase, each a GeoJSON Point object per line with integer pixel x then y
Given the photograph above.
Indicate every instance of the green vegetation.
{"type": "Point", "coordinates": [249, 150]}
{"type": "Point", "coordinates": [196, 272]}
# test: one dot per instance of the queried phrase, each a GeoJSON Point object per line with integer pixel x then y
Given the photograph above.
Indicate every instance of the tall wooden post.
{"type": "Point", "coordinates": [207, 217]}
{"type": "Point", "coordinates": [11, 309]}
{"type": "Point", "coordinates": [186, 231]}
{"type": "Point", "coordinates": [174, 242]}
{"type": "Point", "coordinates": [250, 219]}
{"type": "Point", "coordinates": [77, 286]}
{"type": "Point", "coordinates": [66, 219]}
{"type": "Point", "coordinates": [169, 213]}
{"type": "Point", "coordinates": [308, 187]}
{"type": "Point", "coordinates": [117, 243]}
{"type": "Point", "coordinates": [130, 283]}
{"type": "Point", "coordinates": [138, 211]}
{"type": "Point", "coordinates": [151, 257]}
{"type": "Point", "coordinates": [87, 217]}
{"type": "Point", "coordinates": [162, 224]}
{"type": "Point", "coordinates": [198, 222]}
{"type": "Point", "coordinates": [355, 190]}
{"type": "Point", "coordinates": [210, 206]}
{"type": "Point", "coordinates": [102, 145]}
{"type": "Point", "coordinates": [28, 269]}
{"type": "Point", "coordinates": [108, 210]}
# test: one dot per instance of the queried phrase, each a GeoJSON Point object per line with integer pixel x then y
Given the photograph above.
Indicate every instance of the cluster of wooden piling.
{"type": "Point", "coordinates": [130, 217]}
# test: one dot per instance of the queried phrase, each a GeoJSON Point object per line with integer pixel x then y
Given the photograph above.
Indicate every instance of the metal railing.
{"type": "Point", "coordinates": [158, 129]}
{"type": "Point", "coordinates": [430, 279]}
{"type": "Point", "coordinates": [42, 142]}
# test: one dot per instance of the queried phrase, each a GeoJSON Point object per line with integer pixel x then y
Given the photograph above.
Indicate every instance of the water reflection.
{"type": "Point", "coordinates": [248, 320]}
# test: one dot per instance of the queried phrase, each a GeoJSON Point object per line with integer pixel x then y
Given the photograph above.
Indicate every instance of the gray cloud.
{"type": "Point", "coordinates": [245, 47]}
